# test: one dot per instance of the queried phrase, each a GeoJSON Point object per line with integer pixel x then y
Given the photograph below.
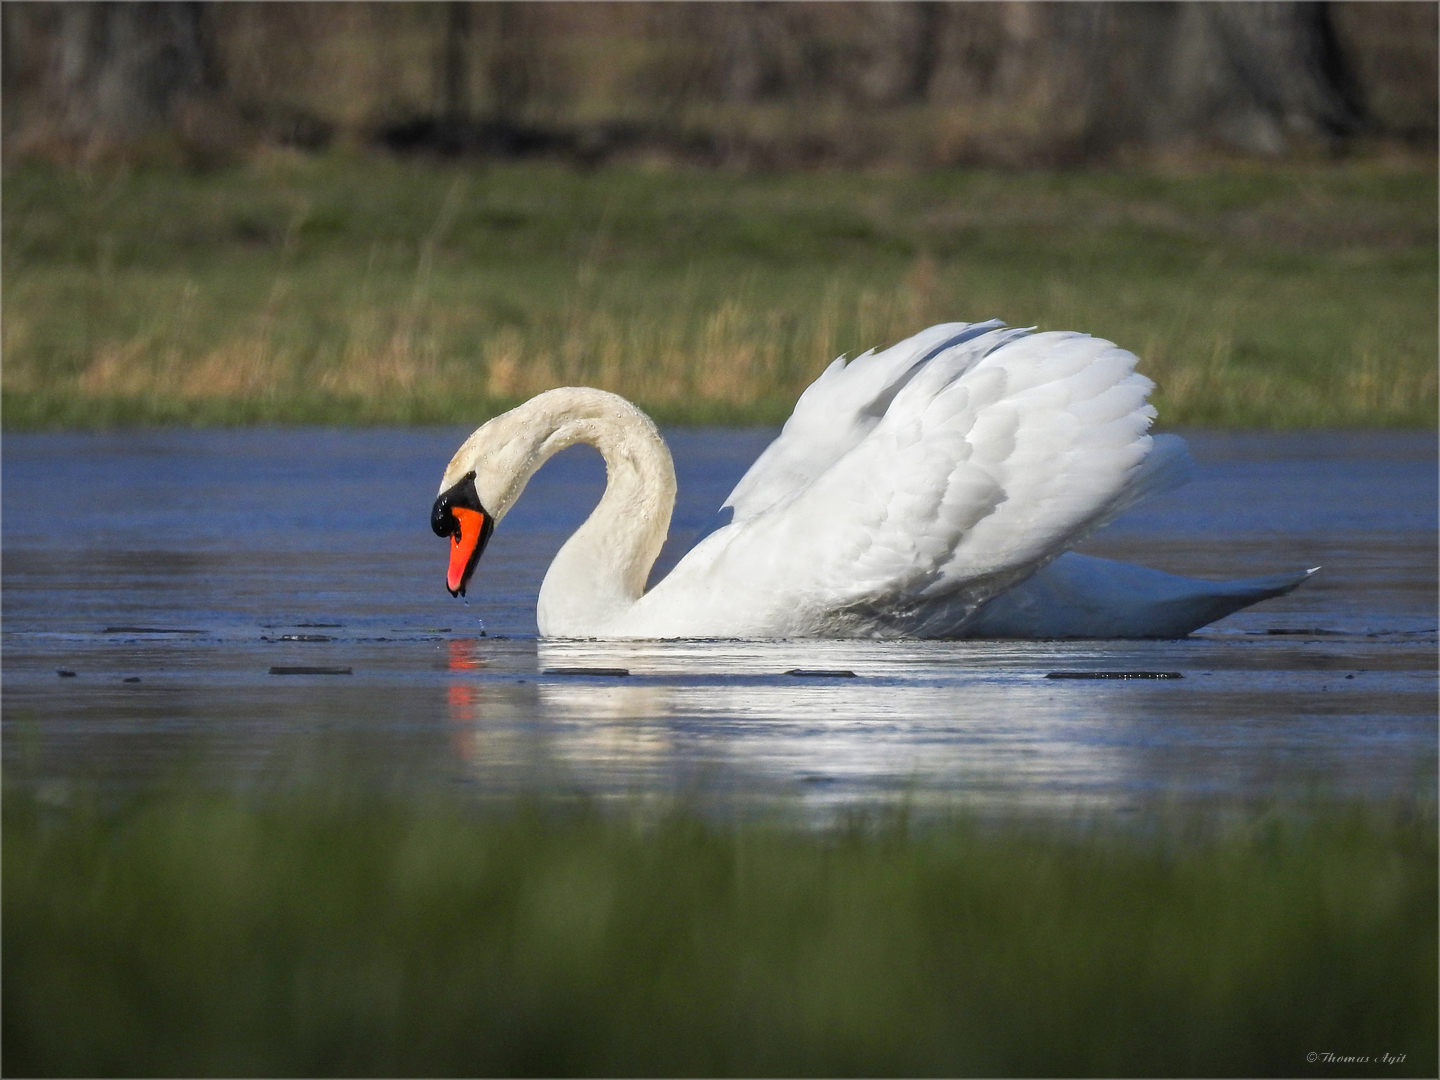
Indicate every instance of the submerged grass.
{"type": "Point", "coordinates": [315, 934]}
{"type": "Point", "coordinates": [368, 290]}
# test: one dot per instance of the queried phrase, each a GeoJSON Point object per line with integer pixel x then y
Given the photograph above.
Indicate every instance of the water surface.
{"type": "Point", "coordinates": [312, 548]}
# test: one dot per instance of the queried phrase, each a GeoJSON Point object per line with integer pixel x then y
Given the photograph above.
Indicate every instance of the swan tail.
{"type": "Point", "coordinates": [1081, 596]}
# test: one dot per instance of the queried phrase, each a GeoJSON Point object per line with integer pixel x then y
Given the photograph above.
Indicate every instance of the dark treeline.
{"type": "Point", "coordinates": [725, 83]}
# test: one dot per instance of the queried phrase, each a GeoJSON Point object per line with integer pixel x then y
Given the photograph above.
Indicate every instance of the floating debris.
{"type": "Point", "coordinates": [147, 630]}
{"type": "Point", "coordinates": [821, 673]}
{"type": "Point", "coordinates": [64, 673]}
{"type": "Point", "coordinates": [1114, 675]}
{"type": "Point", "coordinates": [131, 678]}
{"type": "Point", "coordinates": [304, 637]}
{"type": "Point", "coordinates": [586, 671]}
{"type": "Point", "coordinates": [308, 670]}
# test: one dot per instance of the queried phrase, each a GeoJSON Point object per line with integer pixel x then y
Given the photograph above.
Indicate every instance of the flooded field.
{"type": "Point", "coordinates": [153, 581]}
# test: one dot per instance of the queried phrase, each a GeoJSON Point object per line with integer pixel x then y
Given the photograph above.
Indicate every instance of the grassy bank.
{"type": "Point", "coordinates": [360, 290]}
{"type": "Point", "coordinates": [192, 934]}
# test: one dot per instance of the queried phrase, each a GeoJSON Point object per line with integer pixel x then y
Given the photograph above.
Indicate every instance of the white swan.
{"type": "Point", "coordinates": [929, 490]}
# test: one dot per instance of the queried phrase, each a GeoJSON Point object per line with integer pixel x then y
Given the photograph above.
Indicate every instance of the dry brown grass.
{"type": "Point", "coordinates": [365, 291]}
{"type": "Point", "coordinates": [733, 355]}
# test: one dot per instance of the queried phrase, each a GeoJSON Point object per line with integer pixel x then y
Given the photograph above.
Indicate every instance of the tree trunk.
{"type": "Point", "coordinates": [455, 93]}
{"type": "Point", "coordinates": [512, 61]}
{"type": "Point", "coordinates": [1252, 75]}
{"type": "Point", "coordinates": [1286, 59]}
{"type": "Point", "coordinates": [121, 70]}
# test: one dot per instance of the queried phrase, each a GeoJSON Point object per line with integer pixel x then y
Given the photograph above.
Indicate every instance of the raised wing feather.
{"type": "Point", "coordinates": [838, 410]}
{"type": "Point", "coordinates": [994, 452]}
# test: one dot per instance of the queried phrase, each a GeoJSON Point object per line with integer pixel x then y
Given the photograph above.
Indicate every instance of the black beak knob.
{"type": "Point", "coordinates": [442, 521]}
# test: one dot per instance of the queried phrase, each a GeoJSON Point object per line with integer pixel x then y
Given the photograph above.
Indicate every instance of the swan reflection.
{"type": "Point", "coordinates": [968, 720]}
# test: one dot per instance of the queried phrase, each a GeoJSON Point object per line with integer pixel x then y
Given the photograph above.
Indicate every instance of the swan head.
{"type": "Point", "coordinates": [481, 483]}
{"type": "Point", "coordinates": [459, 514]}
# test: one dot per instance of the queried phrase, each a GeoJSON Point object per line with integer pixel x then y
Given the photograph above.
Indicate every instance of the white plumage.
{"type": "Point", "coordinates": [910, 491]}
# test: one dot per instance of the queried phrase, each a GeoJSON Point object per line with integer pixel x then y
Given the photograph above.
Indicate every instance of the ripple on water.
{"type": "Point", "coordinates": [332, 565]}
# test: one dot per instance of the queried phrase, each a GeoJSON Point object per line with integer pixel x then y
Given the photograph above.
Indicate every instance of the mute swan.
{"type": "Point", "coordinates": [929, 490]}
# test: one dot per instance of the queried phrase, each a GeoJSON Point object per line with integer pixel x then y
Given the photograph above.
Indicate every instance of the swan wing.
{"type": "Point", "coordinates": [989, 459]}
{"type": "Point", "coordinates": [842, 407]}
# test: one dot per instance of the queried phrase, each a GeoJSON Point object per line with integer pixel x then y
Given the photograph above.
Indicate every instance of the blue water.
{"type": "Point", "coordinates": [249, 537]}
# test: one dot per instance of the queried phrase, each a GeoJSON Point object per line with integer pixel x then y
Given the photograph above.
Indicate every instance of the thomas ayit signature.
{"type": "Point", "coordinates": [1325, 1057]}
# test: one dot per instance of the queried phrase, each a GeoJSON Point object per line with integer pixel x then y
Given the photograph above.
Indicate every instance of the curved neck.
{"type": "Point", "coordinates": [601, 570]}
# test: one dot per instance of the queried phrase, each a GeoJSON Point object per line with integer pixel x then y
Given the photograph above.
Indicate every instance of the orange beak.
{"type": "Point", "coordinates": [464, 544]}
{"type": "Point", "coordinates": [459, 514]}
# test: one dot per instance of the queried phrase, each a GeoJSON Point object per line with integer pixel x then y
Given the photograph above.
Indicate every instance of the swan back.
{"type": "Point", "coordinates": [954, 465]}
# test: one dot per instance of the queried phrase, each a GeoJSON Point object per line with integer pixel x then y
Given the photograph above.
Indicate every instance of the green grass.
{"type": "Point", "coordinates": [312, 933]}
{"type": "Point", "coordinates": [365, 290]}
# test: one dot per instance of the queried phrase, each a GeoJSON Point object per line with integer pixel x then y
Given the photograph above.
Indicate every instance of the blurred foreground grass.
{"type": "Point", "coordinates": [188, 933]}
{"type": "Point", "coordinates": [355, 289]}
